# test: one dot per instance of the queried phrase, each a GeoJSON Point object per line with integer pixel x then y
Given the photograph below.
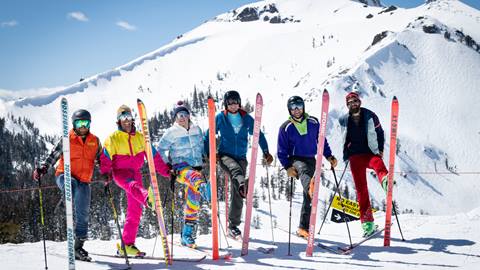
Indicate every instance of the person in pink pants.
{"type": "Point", "coordinates": [122, 158]}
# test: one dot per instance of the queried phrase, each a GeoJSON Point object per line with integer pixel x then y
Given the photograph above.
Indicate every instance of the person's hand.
{"type": "Point", "coordinates": [39, 172]}
{"type": "Point", "coordinates": [242, 189]}
{"type": "Point", "coordinates": [292, 172]}
{"type": "Point", "coordinates": [267, 159]}
{"type": "Point", "coordinates": [333, 161]}
{"type": "Point", "coordinates": [107, 178]}
{"type": "Point", "coordinates": [380, 154]}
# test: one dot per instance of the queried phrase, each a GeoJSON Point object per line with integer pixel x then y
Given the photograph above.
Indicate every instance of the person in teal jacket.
{"type": "Point", "coordinates": [234, 125]}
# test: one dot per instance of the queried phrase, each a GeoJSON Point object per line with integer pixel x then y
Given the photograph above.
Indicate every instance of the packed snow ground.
{"type": "Point", "coordinates": [432, 242]}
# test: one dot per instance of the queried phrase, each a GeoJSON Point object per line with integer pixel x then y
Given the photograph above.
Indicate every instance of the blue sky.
{"type": "Point", "coordinates": [57, 42]}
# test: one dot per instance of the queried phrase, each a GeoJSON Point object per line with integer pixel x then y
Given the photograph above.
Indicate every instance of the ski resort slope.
{"type": "Point", "coordinates": [424, 58]}
{"type": "Point", "coordinates": [432, 242]}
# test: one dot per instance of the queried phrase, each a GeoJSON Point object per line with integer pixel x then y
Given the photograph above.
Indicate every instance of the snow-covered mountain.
{"type": "Point", "coordinates": [429, 57]}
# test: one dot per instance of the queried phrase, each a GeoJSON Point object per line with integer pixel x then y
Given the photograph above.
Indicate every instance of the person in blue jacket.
{"type": "Point", "coordinates": [296, 150]}
{"type": "Point", "coordinates": [234, 125]}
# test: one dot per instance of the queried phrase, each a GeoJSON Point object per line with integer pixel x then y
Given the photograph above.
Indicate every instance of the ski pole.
{"type": "Point", "coordinates": [398, 222]}
{"type": "Point", "coordinates": [270, 204]}
{"type": "Point", "coordinates": [42, 220]}
{"type": "Point", "coordinates": [343, 207]}
{"type": "Point", "coordinates": [115, 217]}
{"type": "Point", "coordinates": [330, 203]}
{"type": "Point", "coordinates": [172, 188]}
{"type": "Point", "coordinates": [290, 216]}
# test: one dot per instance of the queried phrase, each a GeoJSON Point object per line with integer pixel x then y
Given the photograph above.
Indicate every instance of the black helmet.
{"type": "Point", "coordinates": [295, 100]}
{"type": "Point", "coordinates": [229, 95]}
{"type": "Point", "coordinates": [81, 115]}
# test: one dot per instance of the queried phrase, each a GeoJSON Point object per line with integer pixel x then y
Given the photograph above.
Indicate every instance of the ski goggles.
{"type": "Point", "coordinates": [125, 116]}
{"type": "Point", "coordinates": [233, 101]}
{"type": "Point", "coordinates": [82, 123]}
{"type": "Point", "coordinates": [295, 106]}
{"type": "Point", "coordinates": [182, 114]}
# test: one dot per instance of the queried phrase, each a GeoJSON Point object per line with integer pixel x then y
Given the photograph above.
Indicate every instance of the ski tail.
{"type": "Point", "coordinates": [67, 184]}
{"type": "Point", "coordinates": [318, 169]}
{"type": "Point", "coordinates": [251, 174]}
{"type": "Point", "coordinates": [213, 176]}
{"type": "Point", "coordinates": [153, 179]}
{"type": "Point", "coordinates": [391, 166]}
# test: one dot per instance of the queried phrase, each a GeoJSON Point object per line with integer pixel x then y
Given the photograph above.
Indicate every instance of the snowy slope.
{"type": "Point", "coordinates": [320, 44]}
{"type": "Point", "coordinates": [432, 242]}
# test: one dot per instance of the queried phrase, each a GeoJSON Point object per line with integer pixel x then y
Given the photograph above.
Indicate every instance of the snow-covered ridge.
{"type": "Point", "coordinates": [41, 100]}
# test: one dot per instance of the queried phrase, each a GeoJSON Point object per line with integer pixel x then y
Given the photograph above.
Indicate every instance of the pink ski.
{"type": "Point", "coordinates": [251, 174]}
{"type": "Point", "coordinates": [318, 170]}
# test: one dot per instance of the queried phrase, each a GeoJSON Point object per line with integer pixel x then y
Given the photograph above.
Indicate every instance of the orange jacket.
{"type": "Point", "coordinates": [82, 156]}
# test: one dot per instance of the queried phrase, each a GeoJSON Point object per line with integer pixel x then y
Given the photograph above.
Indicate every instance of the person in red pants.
{"type": "Point", "coordinates": [363, 148]}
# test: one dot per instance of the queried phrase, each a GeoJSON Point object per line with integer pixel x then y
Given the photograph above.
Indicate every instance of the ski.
{"type": "Point", "coordinates": [262, 249]}
{"type": "Point", "coordinates": [224, 255]}
{"type": "Point", "coordinates": [153, 180]}
{"type": "Point", "coordinates": [393, 147]}
{"type": "Point", "coordinates": [67, 184]}
{"type": "Point", "coordinates": [318, 169]}
{"type": "Point", "coordinates": [161, 258]}
{"type": "Point", "coordinates": [330, 249]}
{"type": "Point", "coordinates": [348, 249]}
{"type": "Point", "coordinates": [251, 173]}
{"type": "Point", "coordinates": [213, 175]}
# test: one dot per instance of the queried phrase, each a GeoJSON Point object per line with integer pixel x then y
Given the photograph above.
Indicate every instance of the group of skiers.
{"type": "Point", "coordinates": [183, 149]}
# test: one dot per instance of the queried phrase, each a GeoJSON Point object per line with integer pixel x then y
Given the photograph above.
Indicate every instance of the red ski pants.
{"type": "Point", "coordinates": [359, 165]}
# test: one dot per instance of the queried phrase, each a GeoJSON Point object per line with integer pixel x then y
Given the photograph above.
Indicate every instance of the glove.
{"type": "Point", "coordinates": [311, 187]}
{"type": "Point", "coordinates": [107, 178]}
{"type": "Point", "coordinates": [267, 158]}
{"type": "Point", "coordinates": [39, 172]}
{"type": "Point", "coordinates": [333, 161]}
{"type": "Point", "coordinates": [242, 189]}
{"type": "Point", "coordinates": [292, 172]}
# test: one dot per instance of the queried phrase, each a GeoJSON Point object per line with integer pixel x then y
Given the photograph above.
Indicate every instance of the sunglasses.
{"type": "Point", "coordinates": [125, 116]}
{"type": "Point", "coordinates": [352, 102]}
{"type": "Point", "coordinates": [233, 101]}
{"type": "Point", "coordinates": [183, 114]}
{"type": "Point", "coordinates": [82, 123]}
{"type": "Point", "coordinates": [295, 106]}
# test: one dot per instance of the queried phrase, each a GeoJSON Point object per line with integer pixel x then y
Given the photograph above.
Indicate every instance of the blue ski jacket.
{"type": "Point", "coordinates": [231, 144]}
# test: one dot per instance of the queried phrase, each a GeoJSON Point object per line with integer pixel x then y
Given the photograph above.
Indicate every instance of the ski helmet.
{"type": "Point", "coordinates": [231, 95]}
{"type": "Point", "coordinates": [81, 115]}
{"type": "Point", "coordinates": [295, 100]}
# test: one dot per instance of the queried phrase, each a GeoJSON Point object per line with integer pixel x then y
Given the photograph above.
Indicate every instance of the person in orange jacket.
{"type": "Point", "coordinates": [85, 149]}
{"type": "Point", "coordinates": [122, 157]}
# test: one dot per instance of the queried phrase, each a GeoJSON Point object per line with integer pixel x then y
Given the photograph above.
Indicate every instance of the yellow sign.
{"type": "Point", "coordinates": [351, 207]}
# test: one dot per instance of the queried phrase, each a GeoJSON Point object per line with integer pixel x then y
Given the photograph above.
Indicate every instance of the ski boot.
{"type": "Point", "coordinates": [369, 228]}
{"type": "Point", "coordinates": [234, 232]}
{"type": "Point", "coordinates": [188, 238]}
{"type": "Point", "coordinates": [132, 251]}
{"type": "Point", "coordinates": [80, 253]}
{"type": "Point", "coordinates": [301, 232]}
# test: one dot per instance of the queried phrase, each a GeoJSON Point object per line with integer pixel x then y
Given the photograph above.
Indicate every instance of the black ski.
{"type": "Point", "coordinates": [348, 249]}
